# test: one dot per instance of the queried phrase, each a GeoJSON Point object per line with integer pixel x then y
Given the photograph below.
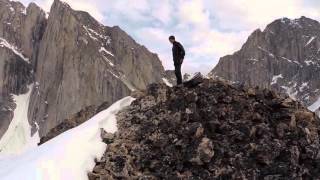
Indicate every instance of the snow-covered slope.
{"type": "Point", "coordinates": [68, 156]}
{"type": "Point", "coordinates": [18, 136]}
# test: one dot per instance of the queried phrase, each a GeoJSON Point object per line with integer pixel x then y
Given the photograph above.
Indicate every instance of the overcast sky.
{"type": "Point", "coordinates": [209, 29]}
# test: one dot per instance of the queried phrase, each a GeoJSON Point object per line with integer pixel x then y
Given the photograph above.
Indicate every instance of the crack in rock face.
{"type": "Point", "coordinates": [212, 131]}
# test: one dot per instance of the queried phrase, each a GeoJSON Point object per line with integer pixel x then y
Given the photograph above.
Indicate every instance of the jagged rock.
{"type": "Point", "coordinates": [206, 137]}
{"type": "Point", "coordinates": [72, 61]}
{"type": "Point", "coordinates": [107, 138]}
{"type": "Point", "coordinates": [205, 152]}
{"type": "Point", "coordinates": [284, 57]}
{"type": "Point", "coordinates": [20, 31]}
{"type": "Point", "coordinates": [82, 63]}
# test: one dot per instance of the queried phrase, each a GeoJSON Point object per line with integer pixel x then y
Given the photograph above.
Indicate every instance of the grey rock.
{"type": "Point", "coordinates": [82, 63]}
{"type": "Point", "coordinates": [284, 57]}
{"type": "Point", "coordinates": [72, 60]}
{"type": "Point", "coordinates": [20, 32]}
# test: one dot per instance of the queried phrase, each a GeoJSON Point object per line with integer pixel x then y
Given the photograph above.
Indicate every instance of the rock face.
{"type": "Point", "coordinates": [20, 32]}
{"type": "Point", "coordinates": [72, 60]}
{"type": "Point", "coordinates": [284, 57]}
{"type": "Point", "coordinates": [212, 131]}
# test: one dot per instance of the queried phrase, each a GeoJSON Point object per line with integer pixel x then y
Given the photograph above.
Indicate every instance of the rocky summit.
{"type": "Point", "coordinates": [212, 131]}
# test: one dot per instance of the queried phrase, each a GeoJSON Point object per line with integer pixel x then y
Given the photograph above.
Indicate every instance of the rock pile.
{"type": "Point", "coordinates": [212, 131]}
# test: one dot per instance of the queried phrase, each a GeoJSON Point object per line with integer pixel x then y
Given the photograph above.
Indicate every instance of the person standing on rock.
{"type": "Point", "coordinates": [178, 54]}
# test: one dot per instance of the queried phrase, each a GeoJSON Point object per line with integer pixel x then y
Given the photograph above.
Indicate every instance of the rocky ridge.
{"type": "Point", "coordinates": [213, 130]}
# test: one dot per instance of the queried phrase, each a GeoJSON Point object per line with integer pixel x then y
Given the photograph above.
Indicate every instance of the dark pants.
{"type": "Point", "coordinates": [177, 71]}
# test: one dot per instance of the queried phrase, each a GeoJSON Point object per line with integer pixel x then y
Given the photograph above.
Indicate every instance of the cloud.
{"type": "Point", "coordinates": [208, 29]}
{"type": "Point", "coordinates": [249, 14]}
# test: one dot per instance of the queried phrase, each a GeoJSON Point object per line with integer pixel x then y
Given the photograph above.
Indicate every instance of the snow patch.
{"type": "Point", "coordinates": [95, 35]}
{"type": "Point", "coordinates": [47, 15]}
{"type": "Point", "coordinates": [315, 106]}
{"type": "Point", "coordinates": [264, 50]}
{"type": "Point", "coordinates": [309, 62]}
{"type": "Point", "coordinates": [303, 86]}
{"type": "Point", "coordinates": [291, 61]}
{"type": "Point", "coordinates": [114, 74]}
{"type": "Point", "coordinates": [127, 83]}
{"type": "Point", "coordinates": [291, 91]}
{"type": "Point", "coordinates": [102, 49]}
{"type": "Point", "coordinates": [68, 156]}
{"type": "Point", "coordinates": [253, 60]}
{"type": "Point", "coordinates": [90, 35]}
{"type": "Point", "coordinates": [108, 61]}
{"type": "Point", "coordinates": [311, 39]}
{"type": "Point", "coordinates": [165, 80]}
{"type": "Point", "coordinates": [275, 79]}
{"type": "Point", "coordinates": [293, 23]}
{"type": "Point", "coordinates": [17, 138]}
{"type": "Point", "coordinates": [14, 49]}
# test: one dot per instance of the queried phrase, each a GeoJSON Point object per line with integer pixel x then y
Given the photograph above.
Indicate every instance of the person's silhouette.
{"type": "Point", "coordinates": [178, 54]}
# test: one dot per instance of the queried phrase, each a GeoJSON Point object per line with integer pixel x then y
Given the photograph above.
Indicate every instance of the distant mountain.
{"type": "Point", "coordinates": [284, 57]}
{"type": "Point", "coordinates": [68, 60]}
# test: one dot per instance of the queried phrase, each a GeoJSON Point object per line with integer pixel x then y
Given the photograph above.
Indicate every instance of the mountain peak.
{"type": "Point", "coordinates": [298, 23]}
{"type": "Point", "coordinates": [284, 57]}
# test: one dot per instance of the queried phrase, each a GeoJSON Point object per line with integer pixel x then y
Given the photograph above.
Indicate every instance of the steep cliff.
{"type": "Point", "coordinates": [83, 63]}
{"type": "Point", "coordinates": [20, 32]}
{"type": "Point", "coordinates": [72, 61]}
{"type": "Point", "coordinates": [284, 57]}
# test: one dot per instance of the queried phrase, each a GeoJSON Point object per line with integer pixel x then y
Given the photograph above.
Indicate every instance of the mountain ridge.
{"type": "Point", "coordinates": [285, 56]}
{"type": "Point", "coordinates": [74, 62]}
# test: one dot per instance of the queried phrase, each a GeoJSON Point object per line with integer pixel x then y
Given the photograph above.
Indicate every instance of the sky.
{"type": "Point", "coordinates": [209, 29]}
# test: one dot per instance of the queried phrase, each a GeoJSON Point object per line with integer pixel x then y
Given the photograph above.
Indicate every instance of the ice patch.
{"type": "Point", "coordinates": [14, 49]}
{"type": "Point", "coordinates": [17, 138]}
{"type": "Point", "coordinates": [68, 156]}
{"type": "Point", "coordinates": [167, 82]}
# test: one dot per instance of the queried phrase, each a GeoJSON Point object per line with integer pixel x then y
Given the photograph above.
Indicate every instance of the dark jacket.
{"type": "Point", "coordinates": [178, 53]}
